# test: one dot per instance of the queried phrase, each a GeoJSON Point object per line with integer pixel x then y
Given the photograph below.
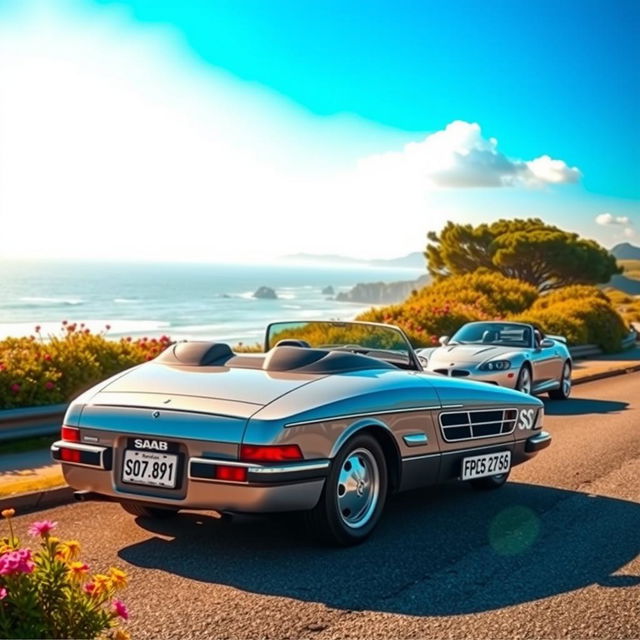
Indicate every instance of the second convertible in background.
{"type": "Point", "coordinates": [507, 354]}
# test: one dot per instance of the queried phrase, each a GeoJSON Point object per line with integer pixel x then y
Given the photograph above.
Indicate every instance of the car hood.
{"type": "Point", "coordinates": [467, 354]}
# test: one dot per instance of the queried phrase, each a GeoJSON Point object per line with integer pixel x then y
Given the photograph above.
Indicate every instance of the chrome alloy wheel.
{"type": "Point", "coordinates": [566, 380]}
{"type": "Point", "coordinates": [358, 488]}
{"type": "Point", "coordinates": [525, 381]}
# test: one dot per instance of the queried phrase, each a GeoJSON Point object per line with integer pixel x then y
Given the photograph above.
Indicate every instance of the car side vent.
{"type": "Point", "coordinates": [470, 425]}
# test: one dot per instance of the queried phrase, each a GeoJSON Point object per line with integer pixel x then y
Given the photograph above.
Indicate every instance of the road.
{"type": "Point", "coordinates": [553, 554]}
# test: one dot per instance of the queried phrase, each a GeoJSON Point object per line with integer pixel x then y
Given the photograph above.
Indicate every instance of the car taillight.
{"type": "Point", "coordinates": [70, 434]}
{"type": "Point", "coordinates": [270, 453]}
{"type": "Point", "coordinates": [231, 474]}
{"type": "Point", "coordinates": [70, 455]}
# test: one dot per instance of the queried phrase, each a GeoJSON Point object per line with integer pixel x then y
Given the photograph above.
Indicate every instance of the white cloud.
{"type": "Point", "coordinates": [606, 219]}
{"type": "Point", "coordinates": [609, 220]}
{"type": "Point", "coordinates": [459, 156]}
{"type": "Point", "coordinates": [116, 142]}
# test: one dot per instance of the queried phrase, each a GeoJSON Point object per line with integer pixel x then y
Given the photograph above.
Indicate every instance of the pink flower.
{"type": "Point", "coordinates": [3, 593]}
{"type": "Point", "coordinates": [42, 528]}
{"type": "Point", "coordinates": [48, 385]}
{"type": "Point", "coordinates": [120, 609]}
{"type": "Point", "coordinates": [89, 588]}
{"type": "Point", "coordinates": [18, 561]}
{"type": "Point", "coordinates": [15, 387]}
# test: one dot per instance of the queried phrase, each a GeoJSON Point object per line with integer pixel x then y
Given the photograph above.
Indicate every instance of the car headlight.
{"type": "Point", "coordinates": [495, 365]}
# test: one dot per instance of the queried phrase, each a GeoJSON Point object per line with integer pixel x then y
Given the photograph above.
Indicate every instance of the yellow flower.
{"type": "Point", "coordinates": [103, 584]}
{"type": "Point", "coordinates": [68, 551]}
{"type": "Point", "coordinates": [118, 577]}
{"type": "Point", "coordinates": [8, 513]}
{"type": "Point", "coordinates": [77, 570]}
{"type": "Point", "coordinates": [121, 634]}
{"type": "Point", "coordinates": [5, 548]}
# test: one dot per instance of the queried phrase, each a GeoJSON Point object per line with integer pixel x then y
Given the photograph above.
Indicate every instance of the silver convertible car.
{"type": "Point", "coordinates": [329, 420]}
{"type": "Point", "coordinates": [508, 354]}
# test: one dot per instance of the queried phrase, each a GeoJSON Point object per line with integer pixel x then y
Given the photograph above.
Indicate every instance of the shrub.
{"type": "Point", "coordinates": [50, 593]}
{"type": "Point", "coordinates": [589, 320]}
{"type": "Point", "coordinates": [573, 292]}
{"type": "Point", "coordinates": [443, 307]}
{"type": "Point", "coordinates": [37, 371]}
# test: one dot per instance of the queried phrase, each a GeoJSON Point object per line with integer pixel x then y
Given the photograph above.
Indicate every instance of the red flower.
{"type": "Point", "coordinates": [15, 387]}
{"type": "Point", "coordinates": [46, 357]}
{"type": "Point", "coordinates": [64, 322]}
{"type": "Point", "coordinates": [87, 331]}
{"type": "Point", "coordinates": [48, 385]}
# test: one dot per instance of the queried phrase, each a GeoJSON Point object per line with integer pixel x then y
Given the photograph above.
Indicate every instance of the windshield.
{"type": "Point", "coordinates": [369, 339]}
{"type": "Point", "coordinates": [497, 333]}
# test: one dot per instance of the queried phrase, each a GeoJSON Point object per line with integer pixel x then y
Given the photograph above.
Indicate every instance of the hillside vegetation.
{"type": "Point", "coordinates": [523, 270]}
{"type": "Point", "coordinates": [583, 314]}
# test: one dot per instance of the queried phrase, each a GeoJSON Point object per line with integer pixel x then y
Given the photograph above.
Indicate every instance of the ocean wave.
{"type": "Point", "coordinates": [50, 302]}
{"type": "Point", "coordinates": [126, 300]}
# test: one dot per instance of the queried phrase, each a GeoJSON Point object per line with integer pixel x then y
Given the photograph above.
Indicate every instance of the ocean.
{"type": "Point", "coordinates": [182, 300]}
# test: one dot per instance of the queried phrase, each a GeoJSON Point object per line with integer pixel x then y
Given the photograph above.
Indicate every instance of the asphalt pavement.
{"type": "Point", "coordinates": [553, 554]}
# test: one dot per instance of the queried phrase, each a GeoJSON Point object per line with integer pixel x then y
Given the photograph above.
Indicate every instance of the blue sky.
{"type": "Point", "coordinates": [325, 89]}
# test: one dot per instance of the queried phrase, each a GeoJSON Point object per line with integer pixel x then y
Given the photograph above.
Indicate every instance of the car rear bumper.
{"type": "Point", "coordinates": [269, 488]}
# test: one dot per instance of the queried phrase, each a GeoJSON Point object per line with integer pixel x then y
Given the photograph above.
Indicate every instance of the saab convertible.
{"type": "Point", "coordinates": [329, 420]}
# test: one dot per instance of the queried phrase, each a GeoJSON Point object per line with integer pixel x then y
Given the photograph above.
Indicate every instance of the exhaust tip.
{"type": "Point", "coordinates": [85, 495]}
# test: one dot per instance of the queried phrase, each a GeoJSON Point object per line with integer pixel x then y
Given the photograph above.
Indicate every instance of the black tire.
{"type": "Point", "coordinates": [564, 391]}
{"type": "Point", "coordinates": [490, 483]}
{"type": "Point", "coordinates": [145, 511]}
{"type": "Point", "coordinates": [326, 521]}
{"type": "Point", "coordinates": [523, 376]}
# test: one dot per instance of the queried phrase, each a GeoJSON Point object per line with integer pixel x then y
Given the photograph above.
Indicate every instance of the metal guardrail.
{"type": "Point", "coordinates": [590, 350]}
{"type": "Point", "coordinates": [17, 424]}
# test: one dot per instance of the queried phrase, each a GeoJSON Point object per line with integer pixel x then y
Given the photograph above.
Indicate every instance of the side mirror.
{"type": "Point", "coordinates": [547, 343]}
{"type": "Point", "coordinates": [443, 340]}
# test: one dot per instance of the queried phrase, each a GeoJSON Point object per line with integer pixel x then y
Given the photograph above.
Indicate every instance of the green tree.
{"type": "Point", "coordinates": [530, 250]}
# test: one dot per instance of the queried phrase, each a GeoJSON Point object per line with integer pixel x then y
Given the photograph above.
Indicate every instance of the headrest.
{"type": "Point", "coordinates": [290, 342]}
{"type": "Point", "coordinates": [196, 354]}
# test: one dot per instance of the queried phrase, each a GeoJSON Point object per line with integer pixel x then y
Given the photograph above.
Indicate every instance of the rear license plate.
{"type": "Point", "coordinates": [150, 468]}
{"type": "Point", "coordinates": [489, 464]}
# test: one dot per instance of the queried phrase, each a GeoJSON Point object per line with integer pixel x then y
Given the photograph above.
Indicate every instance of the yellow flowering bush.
{"type": "Point", "coordinates": [442, 307]}
{"type": "Point", "coordinates": [38, 371]}
{"type": "Point", "coordinates": [583, 314]}
{"type": "Point", "coordinates": [50, 592]}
